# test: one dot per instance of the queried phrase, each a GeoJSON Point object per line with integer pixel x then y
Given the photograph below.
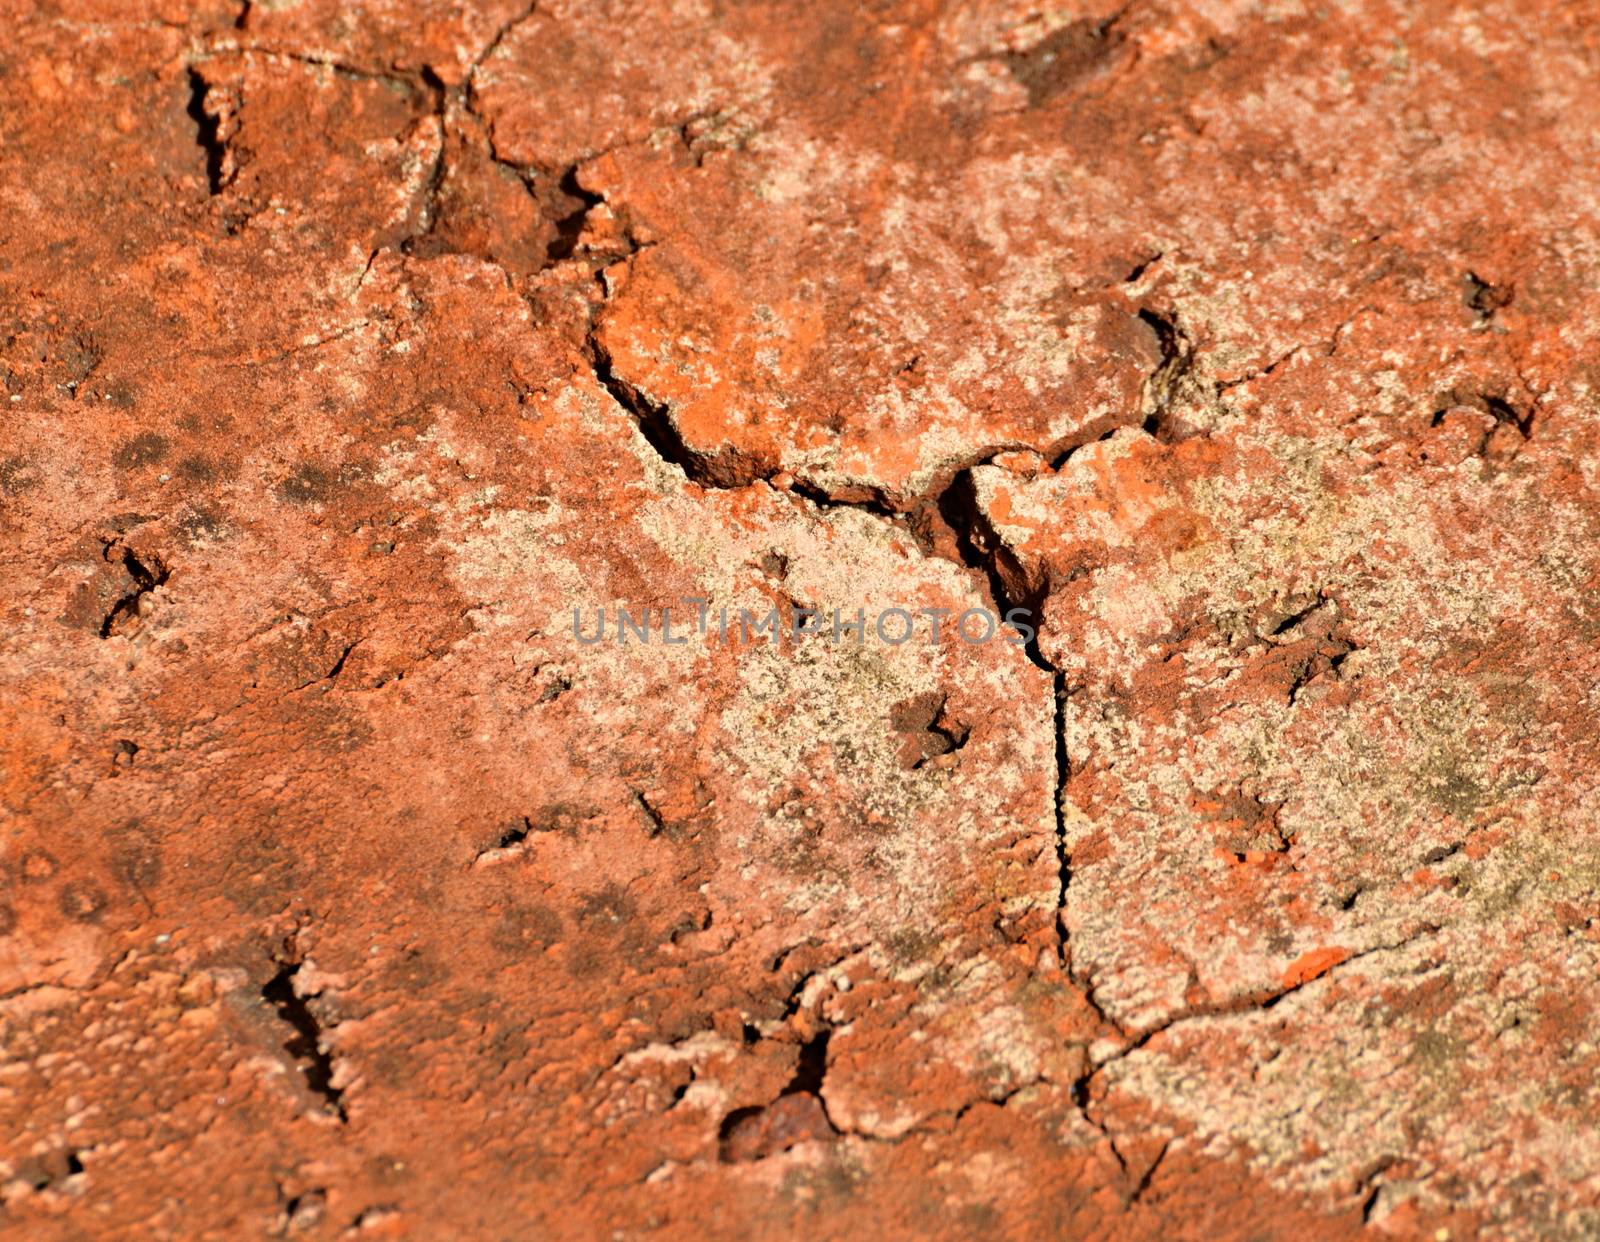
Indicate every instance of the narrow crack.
{"type": "Point", "coordinates": [1253, 1001]}
{"type": "Point", "coordinates": [208, 133]}
{"type": "Point", "coordinates": [333, 673]}
{"type": "Point", "coordinates": [725, 470]}
{"type": "Point", "coordinates": [657, 824]}
{"type": "Point", "coordinates": [980, 548]}
{"type": "Point", "coordinates": [1063, 851]}
{"type": "Point", "coordinates": [1080, 1090]}
{"type": "Point", "coordinates": [146, 578]}
{"type": "Point", "coordinates": [1167, 382]}
{"type": "Point", "coordinates": [500, 36]}
{"type": "Point", "coordinates": [306, 1044]}
{"type": "Point", "coordinates": [1143, 1184]}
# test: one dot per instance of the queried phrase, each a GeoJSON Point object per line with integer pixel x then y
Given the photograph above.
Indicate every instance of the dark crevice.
{"type": "Point", "coordinates": [811, 1066]}
{"type": "Point", "coordinates": [929, 730]}
{"type": "Point", "coordinates": [302, 1211]}
{"type": "Point", "coordinates": [1141, 267]}
{"type": "Point", "coordinates": [338, 665]}
{"type": "Point", "coordinates": [1505, 412]}
{"type": "Point", "coordinates": [1162, 387]}
{"type": "Point", "coordinates": [658, 825]}
{"type": "Point", "coordinates": [1063, 853]}
{"type": "Point", "coordinates": [754, 1132]}
{"type": "Point", "coordinates": [980, 548]}
{"type": "Point", "coordinates": [305, 1045]}
{"type": "Point", "coordinates": [1486, 299]}
{"type": "Point", "coordinates": [333, 673]}
{"type": "Point", "coordinates": [730, 469]}
{"type": "Point", "coordinates": [1143, 1184]}
{"type": "Point", "coordinates": [209, 132]}
{"type": "Point", "coordinates": [428, 218]}
{"type": "Point", "coordinates": [1295, 618]}
{"type": "Point", "coordinates": [1166, 382]}
{"type": "Point", "coordinates": [146, 578]}
{"type": "Point", "coordinates": [1497, 407]}
{"type": "Point", "coordinates": [569, 228]}
{"type": "Point", "coordinates": [952, 735]}
{"type": "Point", "coordinates": [1374, 1179]}
{"type": "Point", "coordinates": [1173, 345]}
{"type": "Point", "coordinates": [514, 833]}
{"type": "Point", "coordinates": [868, 501]}
{"type": "Point", "coordinates": [50, 1169]}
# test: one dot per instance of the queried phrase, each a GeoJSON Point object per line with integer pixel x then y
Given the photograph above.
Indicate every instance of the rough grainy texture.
{"type": "Point", "coordinates": [347, 349]}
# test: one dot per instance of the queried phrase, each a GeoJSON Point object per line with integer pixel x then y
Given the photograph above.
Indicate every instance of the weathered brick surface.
{"type": "Point", "coordinates": [347, 350]}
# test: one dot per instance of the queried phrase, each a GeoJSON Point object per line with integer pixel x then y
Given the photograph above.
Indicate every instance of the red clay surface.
{"type": "Point", "coordinates": [348, 349]}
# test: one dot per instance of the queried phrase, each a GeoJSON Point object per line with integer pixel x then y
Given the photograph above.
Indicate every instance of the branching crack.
{"type": "Point", "coordinates": [951, 508]}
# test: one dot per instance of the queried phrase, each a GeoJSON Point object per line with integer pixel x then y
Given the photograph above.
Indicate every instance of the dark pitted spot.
{"type": "Point", "coordinates": [200, 524]}
{"type": "Point", "coordinates": [197, 470]}
{"type": "Point", "coordinates": [37, 865]}
{"type": "Point", "coordinates": [82, 903]}
{"type": "Point", "coordinates": [1064, 58]}
{"type": "Point", "coordinates": [525, 928]}
{"type": "Point", "coordinates": [309, 485]}
{"type": "Point", "coordinates": [137, 864]}
{"type": "Point", "coordinates": [145, 449]}
{"type": "Point", "coordinates": [15, 477]}
{"type": "Point", "coordinates": [608, 908]}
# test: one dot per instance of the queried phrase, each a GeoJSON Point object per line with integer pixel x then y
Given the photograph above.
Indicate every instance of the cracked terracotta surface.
{"type": "Point", "coordinates": [346, 890]}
